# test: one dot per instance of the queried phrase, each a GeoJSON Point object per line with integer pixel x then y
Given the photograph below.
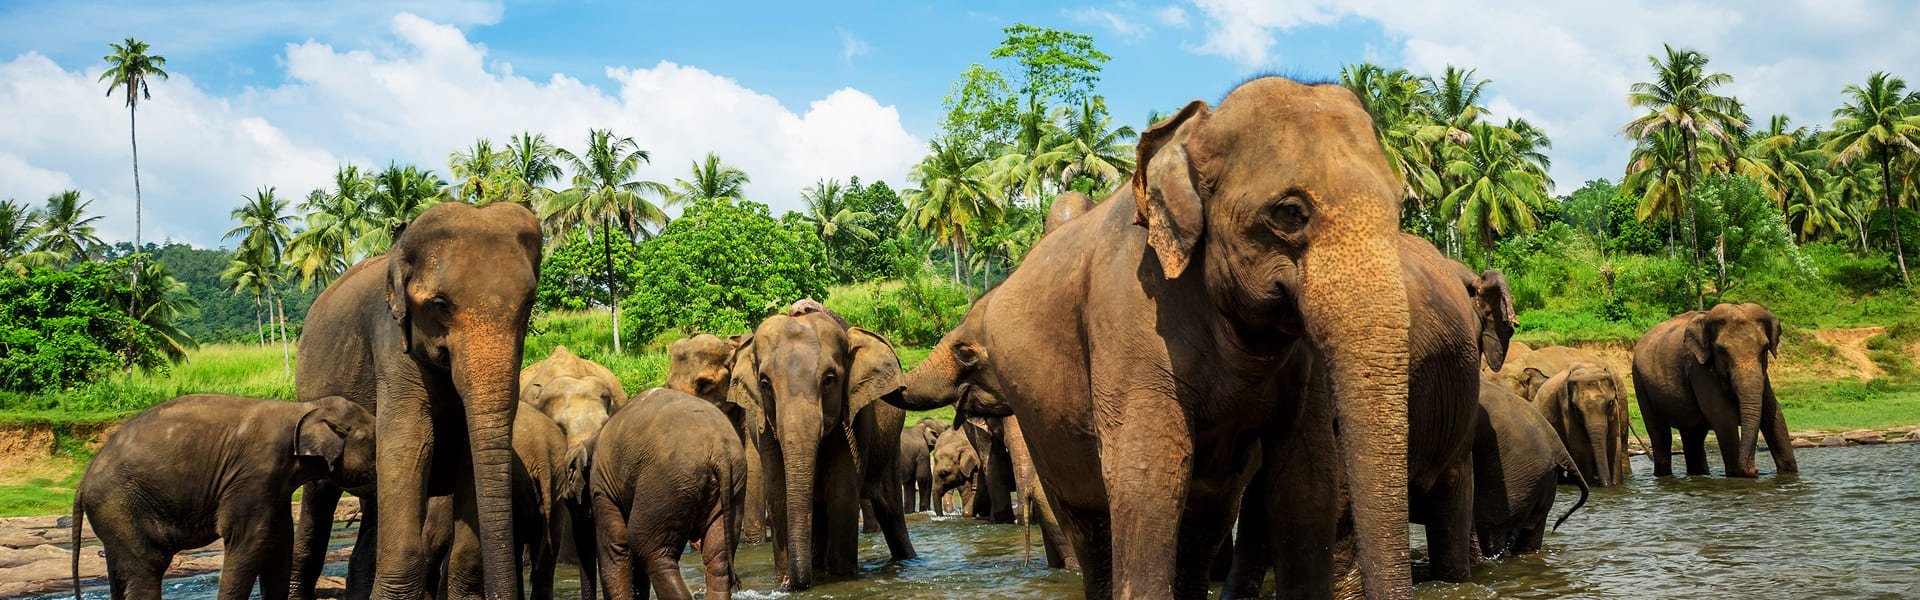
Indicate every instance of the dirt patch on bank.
{"type": "Point", "coordinates": [23, 446]}
{"type": "Point", "coordinates": [1852, 346]}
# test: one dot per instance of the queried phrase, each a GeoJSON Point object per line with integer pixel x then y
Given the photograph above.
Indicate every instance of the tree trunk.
{"type": "Point", "coordinates": [1893, 213]}
{"type": "Point", "coordinates": [613, 290]}
{"type": "Point", "coordinates": [134, 138]}
{"type": "Point", "coordinates": [259, 327]}
{"type": "Point", "coordinates": [286, 349]}
{"type": "Point", "coordinates": [1693, 234]}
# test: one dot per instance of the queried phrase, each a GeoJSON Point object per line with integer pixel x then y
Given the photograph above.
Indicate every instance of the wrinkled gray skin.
{"type": "Point", "coordinates": [826, 441]}
{"type": "Point", "coordinates": [539, 466]}
{"type": "Point", "coordinates": [205, 467]}
{"type": "Point", "coordinates": [955, 466]}
{"type": "Point", "coordinates": [667, 471]}
{"type": "Point", "coordinates": [1707, 370]}
{"type": "Point", "coordinates": [578, 395]}
{"type": "Point", "coordinates": [915, 464]}
{"type": "Point", "coordinates": [429, 338]}
{"type": "Point", "coordinates": [1589, 413]}
{"type": "Point", "coordinates": [702, 365]}
{"type": "Point", "coordinates": [1517, 465]}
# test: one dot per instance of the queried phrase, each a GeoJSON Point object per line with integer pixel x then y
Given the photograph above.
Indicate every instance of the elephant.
{"type": "Point", "coordinates": [540, 468]}
{"type": "Point", "coordinates": [1065, 207]}
{"type": "Point", "coordinates": [1531, 368]}
{"type": "Point", "coordinates": [955, 466]}
{"type": "Point", "coordinates": [1589, 413]}
{"type": "Point", "coordinates": [428, 337]}
{"type": "Point", "coordinates": [814, 388]}
{"type": "Point", "coordinates": [577, 395]}
{"type": "Point", "coordinates": [1147, 345]}
{"type": "Point", "coordinates": [205, 467]}
{"type": "Point", "coordinates": [1033, 500]}
{"type": "Point", "coordinates": [702, 365]}
{"type": "Point", "coordinates": [1518, 461]}
{"type": "Point", "coordinates": [915, 465]}
{"type": "Point", "coordinates": [667, 470]}
{"type": "Point", "coordinates": [1705, 370]}
{"type": "Point", "coordinates": [993, 489]}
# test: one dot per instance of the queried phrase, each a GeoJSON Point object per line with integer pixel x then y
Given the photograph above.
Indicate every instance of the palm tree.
{"type": "Point", "coordinates": [1654, 173]}
{"type": "Point", "coordinates": [263, 225]}
{"type": "Point", "coordinates": [160, 300]}
{"type": "Point", "coordinates": [710, 180]}
{"type": "Point", "coordinates": [955, 196]}
{"type": "Point", "coordinates": [1853, 190]}
{"type": "Point", "coordinates": [397, 195]}
{"type": "Point", "coordinates": [1880, 122]}
{"type": "Point", "coordinates": [1395, 99]}
{"type": "Point", "coordinates": [66, 231]}
{"type": "Point", "coordinates": [531, 164]}
{"type": "Point", "coordinates": [335, 221]}
{"type": "Point", "coordinates": [129, 68]}
{"type": "Point", "coordinates": [1454, 99]}
{"type": "Point", "coordinates": [827, 211]}
{"type": "Point", "coordinates": [474, 169]}
{"type": "Point", "coordinates": [1088, 146]}
{"type": "Point", "coordinates": [1790, 158]}
{"type": "Point", "coordinates": [606, 192]}
{"type": "Point", "coordinates": [1498, 185]}
{"type": "Point", "coordinates": [250, 275]}
{"type": "Point", "coordinates": [1681, 97]}
{"type": "Point", "coordinates": [19, 225]}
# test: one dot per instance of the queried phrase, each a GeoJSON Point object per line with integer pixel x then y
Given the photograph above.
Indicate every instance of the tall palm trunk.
{"type": "Point", "coordinates": [134, 138]}
{"type": "Point", "coordinates": [286, 349]}
{"type": "Point", "coordinates": [1893, 215]}
{"type": "Point", "coordinates": [613, 291]}
{"type": "Point", "coordinates": [259, 327]}
{"type": "Point", "coordinates": [1693, 236]}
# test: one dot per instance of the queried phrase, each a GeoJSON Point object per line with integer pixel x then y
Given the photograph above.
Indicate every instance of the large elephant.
{"type": "Point", "coordinates": [1146, 345]}
{"type": "Point", "coordinates": [1518, 462]}
{"type": "Point", "coordinates": [1707, 370]}
{"type": "Point", "coordinates": [158, 486]}
{"type": "Point", "coordinates": [540, 464]}
{"type": "Point", "coordinates": [1589, 413]}
{"type": "Point", "coordinates": [429, 338]}
{"type": "Point", "coordinates": [826, 441]}
{"type": "Point", "coordinates": [915, 465]}
{"type": "Point", "coordinates": [667, 471]}
{"type": "Point", "coordinates": [702, 365]}
{"type": "Point", "coordinates": [578, 395]}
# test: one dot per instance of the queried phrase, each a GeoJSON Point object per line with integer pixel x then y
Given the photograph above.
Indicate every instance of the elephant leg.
{"type": "Point", "coordinates": [249, 544]}
{"type": "Point", "coordinates": [998, 469]}
{"type": "Point", "coordinates": [1204, 531]}
{"type": "Point", "coordinates": [926, 494]}
{"type": "Point", "coordinates": [753, 522]}
{"type": "Point", "coordinates": [893, 524]}
{"type": "Point", "coordinates": [1694, 443]}
{"type": "Point", "coordinates": [716, 556]}
{"type": "Point", "coordinates": [406, 450]}
{"type": "Point", "coordinates": [613, 554]}
{"type": "Point", "coordinates": [317, 503]}
{"type": "Point", "coordinates": [1250, 561]}
{"type": "Point", "coordinates": [1146, 498]}
{"type": "Point", "coordinates": [869, 522]}
{"type": "Point", "coordinates": [585, 545]}
{"type": "Point", "coordinates": [136, 575]}
{"type": "Point", "coordinates": [1092, 543]}
{"type": "Point", "coordinates": [837, 537]}
{"type": "Point", "coordinates": [465, 577]}
{"type": "Point", "coordinates": [655, 543]}
{"type": "Point", "coordinates": [545, 558]}
{"type": "Point", "coordinates": [1661, 437]}
{"type": "Point", "coordinates": [1450, 523]}
{"type": "Point", "coordinates": [1779, 442]}
{"type": "Point", "coordinates": [1305, 500]}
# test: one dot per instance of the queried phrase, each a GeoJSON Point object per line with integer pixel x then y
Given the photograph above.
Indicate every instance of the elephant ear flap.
{"type": "Point", "coordinates": [1495, 304]}
{"type": "Point", "coordinates": [318, 435]}
{"type": "Point", "coordinates": [874, 371]}
{"type": "Point", "coordinates": [1699, 339]}
{"type": "Point", "coordinates": [1536, 379]}
{"type": "Point", "coordinates": [743, 382]}
{"type": "Point", "coordinates": [1772, 324]}
{"type": "Point", "coordinates": [1167, 191]}
{"type": "Point", "coordinates": [399, 273]}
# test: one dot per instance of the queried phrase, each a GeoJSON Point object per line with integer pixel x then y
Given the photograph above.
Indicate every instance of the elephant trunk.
{"type": "Point", "coordinates": [800, 448]}
{"type": "Point", "coordinates": [487, 377]}
{"type": "Point", "coordinates": [930, 385]}
{"type": "Point", "coordinates": [1749, 387]}
{"type": "Point", "coordinates": [1355, 307]}
{"type": "Point", "coordinates": [1597, 438]}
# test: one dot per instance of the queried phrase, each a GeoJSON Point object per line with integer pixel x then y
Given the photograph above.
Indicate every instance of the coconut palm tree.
{"type": "Point", "coordinates": [1681, 96]}
{"type": "Point", "coordinates": [531, 162]}
{"type": "Point", "coordinates": [334, 222]}
{"type": "Point", "coordinates": [1408, 135]}
{"type": "Point", "coordinates": [1497, 188]}
{"type": "Point", "coordinates": [1654, 172]}
{"type": "Point", "coordinates": [955, 195]}
{"type": "Point", "coordinates": [66, 230]}
{"type": "Point", "coordinates": [264, 225]}
{"type": "Point", "coordinates": [830, 216]}
{"type": "Point", "coordinates": [160, 300]}
{"type": "Point", "coordinates": [129, 68]}
{"type": "Point", "coordinates": [249, 275]}
{"type": "Point", "coordinates": [1454, 100]}
{"type": "Point", "coordinates": [1853, 189]}
{"type": "Point", "coordinates": [396, 196]}
{"type": "Point", "coordinates": [1089, 146]}
{"type": "Point", "coordinates": [709, 179]}
{"type": "Point", "coordinates": [473, 170]}
{"type": "Point", "coordinates": [19, 225]}
{"type": "Point", "coordinates": [1791, 159]}
{"type": "Point", "coordinates": [1880, 122]}
{"type": "Point", "coordinates": [606, 192]}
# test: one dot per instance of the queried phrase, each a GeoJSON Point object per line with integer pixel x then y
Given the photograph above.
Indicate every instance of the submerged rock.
{"type": "Point", "coordinates": [1833, 441]}
{"type": "Point", "coordinates": [1865, 436]}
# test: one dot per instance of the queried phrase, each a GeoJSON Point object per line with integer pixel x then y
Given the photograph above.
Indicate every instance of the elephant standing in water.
{"type": "Point", "coordinates": [956, 467]}
{"type": "Point", "coordinates": [1589, 413]}
{"type": "Point", "coordinates": [826, 442]}
{"type": "Point", "coordinates": [1517, 465]}
{"type": "Point", "coordinates": [915, 464]}
{"type": "Point", "coordinates": [577, 395]}
{"type": "Point", "coordinates": [667, 471]}
{"type": "Point", "coordinates": [540, 465]}
{"type": "Point", "coordinates": [1147, 345]}
{"type": "Point", "coordinates": [1707, 370]}
{"type": "Point", "coordinates": [702, 365]}
{"type": "Point", "coordinates": [428, 337]}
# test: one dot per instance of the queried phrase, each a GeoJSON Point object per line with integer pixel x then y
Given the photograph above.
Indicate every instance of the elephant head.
{"type": "Point", "coordinates": [1494, 303]}
{"type": "Point", "coordinates": [460, 283]}
{"type": "Point", "coordinates": [334, 441]}
{"type": "Point", "coordinates": [928, 431]}
{"type": "Point", "coordinates": [1584, 402]}
{"type": "Point", "coordinates": [702, 365]}
{"type": "Point", "coordinates": [1065, 207]}
{"type": "Point", "coordinates": [1735, 341]}
{"type": "Point", "coordinates": [955, 373]}
{"type": "Point", "coordinates": [807, 377]}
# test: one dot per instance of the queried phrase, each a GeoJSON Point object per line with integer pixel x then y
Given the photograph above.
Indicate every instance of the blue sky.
{"type": "Point", "coordinates": [279, 93]}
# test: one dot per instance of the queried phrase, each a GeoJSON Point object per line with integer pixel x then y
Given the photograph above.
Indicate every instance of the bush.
{"type": "Point", "coordinates": [62, 328]}
{"type": "Point", "coordinates": [721, 267]}
{"type": "Point", "coordinates": [573, 273]}
{"type": "Point", "coordinates": [915, 312]}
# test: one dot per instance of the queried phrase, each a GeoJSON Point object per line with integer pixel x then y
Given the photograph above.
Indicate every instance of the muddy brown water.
{"type": "Point", "coordinates": [1848, 527]}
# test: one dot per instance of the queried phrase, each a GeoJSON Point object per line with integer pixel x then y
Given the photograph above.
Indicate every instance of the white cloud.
{"type": "Point", "coordinates": [202, 27]}
{"type": "Point", "coordinates": [1120, 25]}
{"type": "Point", "coordinates": [1172, 16]}
{"type": "Point", "coordinates": [851, 46]}
{"type": "Point", "coordinates": [1568, 64]}
{"type": "Point", "coordinates": [430, 93]}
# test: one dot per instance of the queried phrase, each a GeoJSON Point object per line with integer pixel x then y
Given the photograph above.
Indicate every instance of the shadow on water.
{"type": "Point", "coordinates": [1848, 527]}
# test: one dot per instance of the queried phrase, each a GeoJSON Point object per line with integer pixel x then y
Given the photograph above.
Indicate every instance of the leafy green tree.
{"type": "Point", "coordinates": [530, 163]}
{"type": "Point", "coordinates": [830, 217]}
{"type": "Point", "coordinates": [709, 179]}
{"type": "Point", "coordinates": [1056, 65]}
{"type": "Point", "coordinates": [398, 195]}
{"type": "Point", "coordinates": [1749, 234]}
{"type": "Point", "coordinates": [606, 193]}
{"type": "Point", "coordinates": [573, 276]}
{"type": "Point", "coordinates": [1681, 97]}
{"type": "Point", "coordinates": [721, 267]}
{"type": "Point", "coordinates": [1498, 187]}
{"type": "Point", "coordinates": [474, 169]}
{"type": "Point", "coordinates": [129, 68]}
{"type": "Point", "coordinates": [878, 209]}
{"type": "Point", "coordinates": [982, 113]}
{"type": "Point", "coordinates": [66, 230]}
{"type": "Point", "coordinates": [60, 328]}
{"type": "Point", "coordinates": [1880, 122]}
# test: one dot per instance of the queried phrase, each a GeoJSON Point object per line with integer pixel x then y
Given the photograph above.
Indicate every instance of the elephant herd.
{"type": "Point", "coordinates": [1235, 365]}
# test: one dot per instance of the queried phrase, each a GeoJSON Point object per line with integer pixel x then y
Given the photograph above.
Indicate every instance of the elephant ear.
{"type": "Point", "coordinates": [873, 370]}
{"type": "Point", "coordinates": [1494, 302]}
{"type": "Point", "coordinates": [1699, 338]}
{"type": "Point", "coordinates": [617, 398]}
{"type": "Point", "coordinates": [1535, 379]}
{"type": "Point", "coordinates": [318, 434]}
{"type": "Point", "coordinates": [1167, 190]}
{"type": "Point", "coordinates": [743, 382]}
{"type": "Point", "coordinates": [399, 273]}
{"type": "Point", "coordinates": [1772, 323]}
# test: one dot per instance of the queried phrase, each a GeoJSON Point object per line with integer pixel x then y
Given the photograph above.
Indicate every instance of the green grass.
{"type": "Point", "coordinates": [45, 489]}
{"type": "Point", "coordinates": [1849, 404]}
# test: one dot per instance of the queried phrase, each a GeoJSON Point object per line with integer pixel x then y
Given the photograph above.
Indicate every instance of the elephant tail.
{"type": "Point", "coordinates": [79, 519]}
{"type": "Point", "coordinates": [1579, 480]}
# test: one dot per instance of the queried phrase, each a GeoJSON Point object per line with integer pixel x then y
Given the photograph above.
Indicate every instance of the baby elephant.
{"type": "Point", "coordinates": [1517, 462]}
{"type": "Point", "coordinates": [205, 467]}
{"type": "Point", "coordinates": [666, 470]}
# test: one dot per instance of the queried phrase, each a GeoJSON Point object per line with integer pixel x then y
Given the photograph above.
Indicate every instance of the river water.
{"type": "Point", "coordinates": [1847, 527]}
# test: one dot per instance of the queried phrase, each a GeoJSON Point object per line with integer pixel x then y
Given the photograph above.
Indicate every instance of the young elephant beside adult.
{"type": "Point", "coordinates": [205, 467]}
{"type": "Point", "coordinates": [1526, 371]}
{"type": "Point", "coordinates": [955, 466]}
{"type": "Point", "coordinates": [428, 337]}
{"type": "Point", "coordinates": [540, 466]}
{"type": "Point", "coordinates": [1589, 413]}
{"type": "Point", "coordinates": [577, 395]}
{"type": "Point", "coordinates": [702, 365]}
{"type": "Point", "coordinates": [667, 470]}
{"type": "Point", "coordinates": [1518, 462]}
{"type": "Point", "coordinates": [826, 441]}
{"type": "Point", "coordinates": [915, 464]}
{"type": "Point", "coordinates": [1707, 370]}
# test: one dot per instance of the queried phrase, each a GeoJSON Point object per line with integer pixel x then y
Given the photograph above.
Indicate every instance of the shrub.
{"type": "Point", "coordinates": [721, 267]}
{"type": "Point", "coordinates": [573, 274]}
{"type": "Point", "coordinates": [915, 312]}
{"type": "Point", "coordinates": [61, 328]}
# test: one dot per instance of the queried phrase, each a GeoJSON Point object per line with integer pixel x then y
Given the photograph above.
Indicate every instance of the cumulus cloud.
{"type": "Point", "coordinates": [1568, 64]}
{"type": "Point", "coordinates": [426, 93]}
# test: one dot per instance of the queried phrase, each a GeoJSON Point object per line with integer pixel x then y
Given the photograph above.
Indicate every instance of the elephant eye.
{"type": "Point", "coordinates": [441, 303]}
{"type": "Point", "coordinates": [703, 386]}
{"type": "Point", "coordinates": [766, 384]}
{"type": "Point", "coordinates": [1290, 214]}
{"type": "Point", "coordinates": [827, 378]}
{"type": "Point", "coordinates": [965, 354]}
